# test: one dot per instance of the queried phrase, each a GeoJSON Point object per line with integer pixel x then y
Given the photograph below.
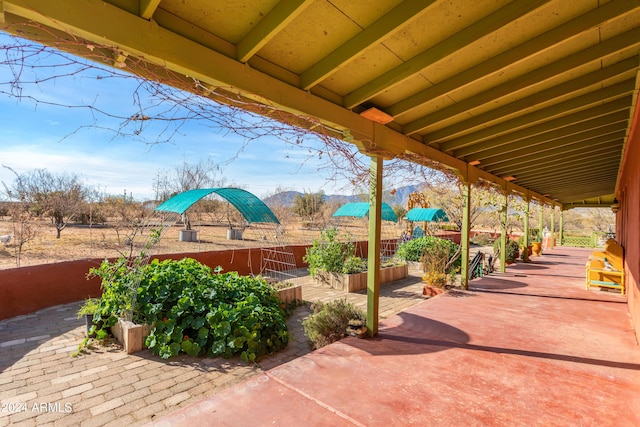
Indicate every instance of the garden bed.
{"type": "Point", "coordinates": [358, 281]}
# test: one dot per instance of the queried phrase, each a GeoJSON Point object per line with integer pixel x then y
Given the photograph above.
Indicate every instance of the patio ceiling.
{"type": "Point", "coordinates": [535, 95]}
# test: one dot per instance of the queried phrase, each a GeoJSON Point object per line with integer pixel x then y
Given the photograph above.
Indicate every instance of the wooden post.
{"type": "Point", "coordinates": [541, 225]}
{"type": "Point", "coordinates": [553, 226]}
{"type": "Point", "coordinates": [526, 223]}
{"type": "Point", "coordinates": [375, 224]}
{"type": "Point", "coordinates": [464, 238]}
{"type": "Point", "coordinates": [561, 231]}
{"type": "Point", "coordinates": [503, 235]}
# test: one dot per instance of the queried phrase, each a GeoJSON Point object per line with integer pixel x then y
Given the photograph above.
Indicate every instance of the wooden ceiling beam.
{"type": "Point", "coordinates": [402, 15]}
{"type": "Point", "coordinates": [479, 29]}
{"type": "Point", "coordinates": [581, 108]}
{"type": "Point", "coordinates": [148, 8]}
{"type": "Point", "coordinates": [590, 137]}
{"type": "Point", "coordinates": [605, 152]}
{"type": "Point", "coordinates": [562, 159]}
{"type": "Point", "coordinates": [628, 67]}
{"type": "Point", "coordinates": [597, 52]}
{"type": "Point", "coordinates": [560, 34]}
{"type": "Point", "coordinates": [268, 27]}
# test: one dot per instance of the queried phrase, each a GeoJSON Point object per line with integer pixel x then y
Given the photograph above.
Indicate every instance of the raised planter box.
{"type": "Point", "coordinates": [358, 281]}
{"type": "Point", "coordinates": [287, 295]}
{"type": "Point", "coordinates": [130, 335]}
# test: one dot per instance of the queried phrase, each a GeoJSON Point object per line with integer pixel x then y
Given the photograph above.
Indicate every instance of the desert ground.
{"type": "Point", "coordinates": [82, 241]}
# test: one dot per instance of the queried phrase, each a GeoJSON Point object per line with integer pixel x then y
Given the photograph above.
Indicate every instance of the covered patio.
{"type": "Point", "coordinates": [528, 347]}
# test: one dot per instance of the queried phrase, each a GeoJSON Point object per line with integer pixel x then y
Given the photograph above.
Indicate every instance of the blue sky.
{"type": "Point", "coordinates": [37, 135]}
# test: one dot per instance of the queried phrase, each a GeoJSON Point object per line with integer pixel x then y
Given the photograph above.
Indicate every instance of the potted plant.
{"type": "Point", "coordinates": [512, 251]}
{"type": "Point", "coordinates": [439, 266]}
{"type": "Point", "coordinates": [89, 309]}
{"type": "Point", "coordinates": [332, 261]}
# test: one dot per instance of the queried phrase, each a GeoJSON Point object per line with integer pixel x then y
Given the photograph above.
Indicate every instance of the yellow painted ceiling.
{"type": "Point", "coordinates": [540, 90]}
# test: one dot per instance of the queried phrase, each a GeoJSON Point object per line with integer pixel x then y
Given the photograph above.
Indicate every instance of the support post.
{"type": "Point", "coordinates": [526, 223]}
{"type": "Point", "coordinates": [553, 226]}
{"type": "Point", "coordinates": [503, 235]}
{"type": "Point", "coordinates": [561, 231]}
{"type": "Point", "coordinates": [373, 253]}
{"type": "Point", "coordinates": [541, 223]}
{"type": "Point", "coordinates": [464, 238]}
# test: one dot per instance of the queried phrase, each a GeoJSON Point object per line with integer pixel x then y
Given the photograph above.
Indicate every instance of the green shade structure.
{"type": "Point", "coordinates": [427, 214]}
{"type": "Point", "coordinates": [251, 208]}
{"type": "Point", "coordinates": [361, 210]}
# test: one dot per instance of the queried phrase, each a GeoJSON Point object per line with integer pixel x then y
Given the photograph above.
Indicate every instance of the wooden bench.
{"type": "Point", "coordinates": [605, 269]}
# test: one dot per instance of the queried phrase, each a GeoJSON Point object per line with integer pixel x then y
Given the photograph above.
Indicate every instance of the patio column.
{"type": "Point", "coordinates": [541, 224]}
{"type": "Point", "coordinates": [526, 223]}
{"type": "Point", "coordinates": [561, 232]}
{"type": "Point", "coordinates": [503, 234]}
{"type": "Point", "coordinates": [464, 238]}
{"type": "Point", "coordinates": [373, 252]}
{"type": "Point", "coordinates": [553, 226]}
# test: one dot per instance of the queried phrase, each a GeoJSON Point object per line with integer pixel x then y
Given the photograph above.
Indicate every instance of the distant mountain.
{"type": "Point", "coordinates": [400, 197]}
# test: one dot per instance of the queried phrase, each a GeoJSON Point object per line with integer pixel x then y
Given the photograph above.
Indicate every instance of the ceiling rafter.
{"type": "Point", "coordinates": [530, 47]}
{"type": "Point", "coordinates": [570, 161]}
{"type": "Point", "coordinates": [541, 135]}
{"type": "Point", "coordinates": [402, 15]}
{"type": "Point", "coordinates": [481, 28]}
{"type": "Point", "coordinates": [523, 104]}
{"type": "Point", "coordinates": [148, 8]}
{"type": "Point", "coordinates": [522, 153]}
{"type": "Point", "coordinates": [268, 27]}
{"type": "Point", "coordinates": [561, 114]}
{"type": "Point", "coordinates": [561, 177]}
{"type": "Point", "coordinates": [593, 53]}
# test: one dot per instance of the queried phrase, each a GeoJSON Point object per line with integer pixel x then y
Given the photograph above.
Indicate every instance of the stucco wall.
{"type": "Point", "coordinates": [628, 219]}
{"type": "Point", "coordinates": [29, 289]}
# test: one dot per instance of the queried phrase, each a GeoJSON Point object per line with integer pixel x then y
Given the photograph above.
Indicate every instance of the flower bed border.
{"type": "Point", "coordinates": [358, 281]}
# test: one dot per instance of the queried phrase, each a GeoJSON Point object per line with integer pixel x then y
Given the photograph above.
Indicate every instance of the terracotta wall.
{"type": "Point", "coordinates": [28, 289]}
{"type": "Point", "coordinates": [628, 219]}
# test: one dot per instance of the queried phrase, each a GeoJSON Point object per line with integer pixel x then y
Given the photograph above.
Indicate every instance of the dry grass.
{"type": "Point", "coordinates": [82, 242]}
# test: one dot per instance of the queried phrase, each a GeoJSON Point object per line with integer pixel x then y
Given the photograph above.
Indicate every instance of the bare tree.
{"type": "Point", "coordinates": [59, 197]}
{"type": "Point", "coordinates": [24, 225]}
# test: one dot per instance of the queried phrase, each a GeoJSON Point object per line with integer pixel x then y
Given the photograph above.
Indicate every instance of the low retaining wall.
{"type": "Point", "coordinates": [25, 290]}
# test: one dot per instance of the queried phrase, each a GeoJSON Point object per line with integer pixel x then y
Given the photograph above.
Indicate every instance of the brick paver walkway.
{"type": "Point", "coordinates": [41, 384]}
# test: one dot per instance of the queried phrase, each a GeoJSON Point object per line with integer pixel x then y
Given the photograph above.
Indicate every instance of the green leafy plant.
{"type": "Point", "coordinates": [197, 311]}
{"type": "Point", "coordinates": [414, 249]}
{"type": "Point", "coordinates": [438, 263]}
{"type": "Point", "coordinates": [330, 254]}
{"type": "Point", "coordinates": [512, 250]}
{"type": "Point", "coordinates": [91, 306]}
{"type": "Point", "coordinates": [328, 322]}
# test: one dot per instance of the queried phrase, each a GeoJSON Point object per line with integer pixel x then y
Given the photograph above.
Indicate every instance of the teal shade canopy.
{"type": "Point", "coordinates": [251, 208]}
{"type": "Point", "coordinates": [361, 210]}
{"type": "Point", "coordinates": [427, 214]}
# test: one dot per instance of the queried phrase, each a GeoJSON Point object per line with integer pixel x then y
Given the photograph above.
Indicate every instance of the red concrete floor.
{"type": "Point", "coordinates": [531, 347]}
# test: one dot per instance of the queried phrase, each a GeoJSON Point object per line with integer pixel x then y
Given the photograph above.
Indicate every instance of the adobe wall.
{"type": "Point", "coordinates": [29, 289]}
{"type": "Point", "coordinates": [628, 219]}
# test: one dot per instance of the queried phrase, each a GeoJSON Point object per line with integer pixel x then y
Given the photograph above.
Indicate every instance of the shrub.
{"type": "Point", "coordinates": [482, 239]}
{"type": "Point", "coordinates": [512, 250]}
{"type": "Point", "coordinates": [329, 321]}
{"type": "Point", "coordinates": [330, 255]}
{"type": "Point", "coordinates": [437, 264]}
{"type": "Point", "coordinates": [197, 311]}
{"type": "Point", "coordinates": [414, 249]}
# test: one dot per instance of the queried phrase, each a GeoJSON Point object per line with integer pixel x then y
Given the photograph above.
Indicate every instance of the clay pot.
{"type": "Point", "coordinates": [536, 247]}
